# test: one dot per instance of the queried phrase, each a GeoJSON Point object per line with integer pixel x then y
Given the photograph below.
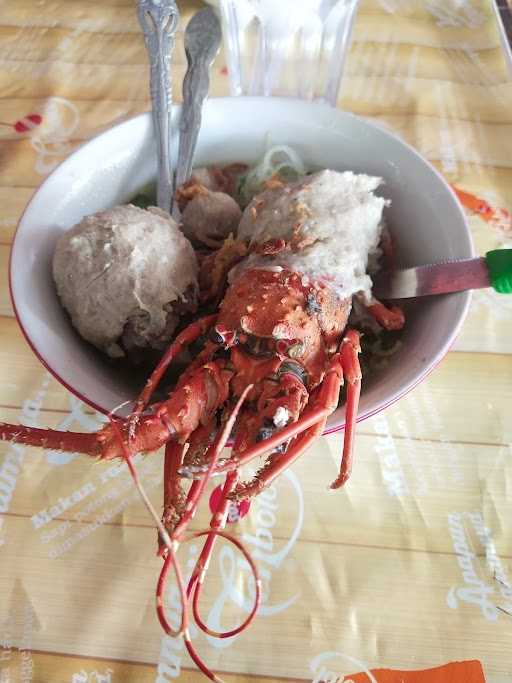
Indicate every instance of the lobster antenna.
{"type": "Point", "coordinates": [198, 661]}
{"type": "Point", "coordinates": [217, 446]}
{"type": "Point", "coordinates": [166, 539]}
{"type": "Point", "coordinates": [197, 582]}
{"type": "Point", "coordinates": [128, 458]}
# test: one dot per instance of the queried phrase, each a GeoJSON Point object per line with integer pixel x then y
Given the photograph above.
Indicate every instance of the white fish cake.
{"type": "Point", "coordinates": [332, 225]}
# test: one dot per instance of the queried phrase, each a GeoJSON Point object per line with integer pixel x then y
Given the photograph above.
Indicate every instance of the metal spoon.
{"type": "Point", "coordinates": [159, 20]}
{"type": "Point", "coordinates": [202, 43]}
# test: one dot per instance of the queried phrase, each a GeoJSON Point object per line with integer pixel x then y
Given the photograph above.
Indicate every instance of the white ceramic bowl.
{"type": "Point", "coordinates": [425, 219]}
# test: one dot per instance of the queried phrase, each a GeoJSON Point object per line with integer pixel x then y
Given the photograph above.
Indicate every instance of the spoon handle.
{"type": "Point", "coordinates": [159, 21]}
{"type": "Point", "coordinates": [202, 42]}
{"type": "Point", "coordinates": [195, 82]}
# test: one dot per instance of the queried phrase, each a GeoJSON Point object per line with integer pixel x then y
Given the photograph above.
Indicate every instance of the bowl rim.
{"type": "Point", "coordinates": [465, 297]}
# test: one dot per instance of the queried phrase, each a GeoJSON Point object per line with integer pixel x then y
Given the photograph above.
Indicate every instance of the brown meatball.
{"type": "Point", "coordinates": [210, 217]}
{"type": "Point", "coordinates": [219, 179]}
{"type": "Point", "coordinates": [125, 275]}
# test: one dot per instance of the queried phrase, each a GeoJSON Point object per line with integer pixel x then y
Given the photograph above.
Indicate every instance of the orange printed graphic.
{"type": "Point", "coordinates": [497, 217]}
{"type": "Point", "coordinates": [455, 672]}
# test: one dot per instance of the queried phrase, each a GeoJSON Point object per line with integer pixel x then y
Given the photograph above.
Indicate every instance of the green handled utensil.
{"type": "Point", "coordinates": [499, 264]}
{"type": "Point", "coordinates": [492, 270]}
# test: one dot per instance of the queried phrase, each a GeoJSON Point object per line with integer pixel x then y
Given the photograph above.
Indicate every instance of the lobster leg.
{"type": "Point", "coordinates": [186, 337]}
{"type": "Point", "coordinates": [174, 496]}
{"type": "Point", "coordinates": [307, 419]}
{"type": "Point", "coordinates": [151, 432]}
{"type": "Point", "coordinates": [79, 442]}
{"type": "Point", "coordinates": [391, 318]}
{"type": "Point", "coordinates": [193, 402]}
{"type": "Point", "coordinates": [276, 466]}
{"type": "Point", "coordinates": [349, 352]}
{"type": "Point", "coordinates": [196, 398]}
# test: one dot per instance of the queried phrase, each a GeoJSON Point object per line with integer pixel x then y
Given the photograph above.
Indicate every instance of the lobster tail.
{"type": "Point", "coordinates": [73, 442]}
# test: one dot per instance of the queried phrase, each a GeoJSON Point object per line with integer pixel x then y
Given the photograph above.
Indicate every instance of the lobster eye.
{"type": "Point", "coordinates": [215, 337]}
{"type": "Point", "coordinates": [264, 433]}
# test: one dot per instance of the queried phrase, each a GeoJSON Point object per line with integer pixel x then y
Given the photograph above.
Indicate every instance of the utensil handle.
{"type": "Point", "coordinates": [159, 21]}
{"type": "Point", "coordinates": [499, 263]}
{"type": "Point", "coordinates": [195, 89]}
{"type": "Point", "coordinates": [203, 37]}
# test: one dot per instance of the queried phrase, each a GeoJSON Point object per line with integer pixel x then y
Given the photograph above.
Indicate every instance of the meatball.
{"type": "Point", "coordinates": [210, 217]}
{"type": "Point", "coordinates": [218, 179]}
{"type": "Point", "coordinates": [125, 275]}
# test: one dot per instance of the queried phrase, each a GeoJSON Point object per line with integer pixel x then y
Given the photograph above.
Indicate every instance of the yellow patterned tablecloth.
{"type": "Point", "coordinates": [410, 566]}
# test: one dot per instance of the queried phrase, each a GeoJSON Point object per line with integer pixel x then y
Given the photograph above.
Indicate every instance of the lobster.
{"type": "Point", "coordinates": [273, 358]}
